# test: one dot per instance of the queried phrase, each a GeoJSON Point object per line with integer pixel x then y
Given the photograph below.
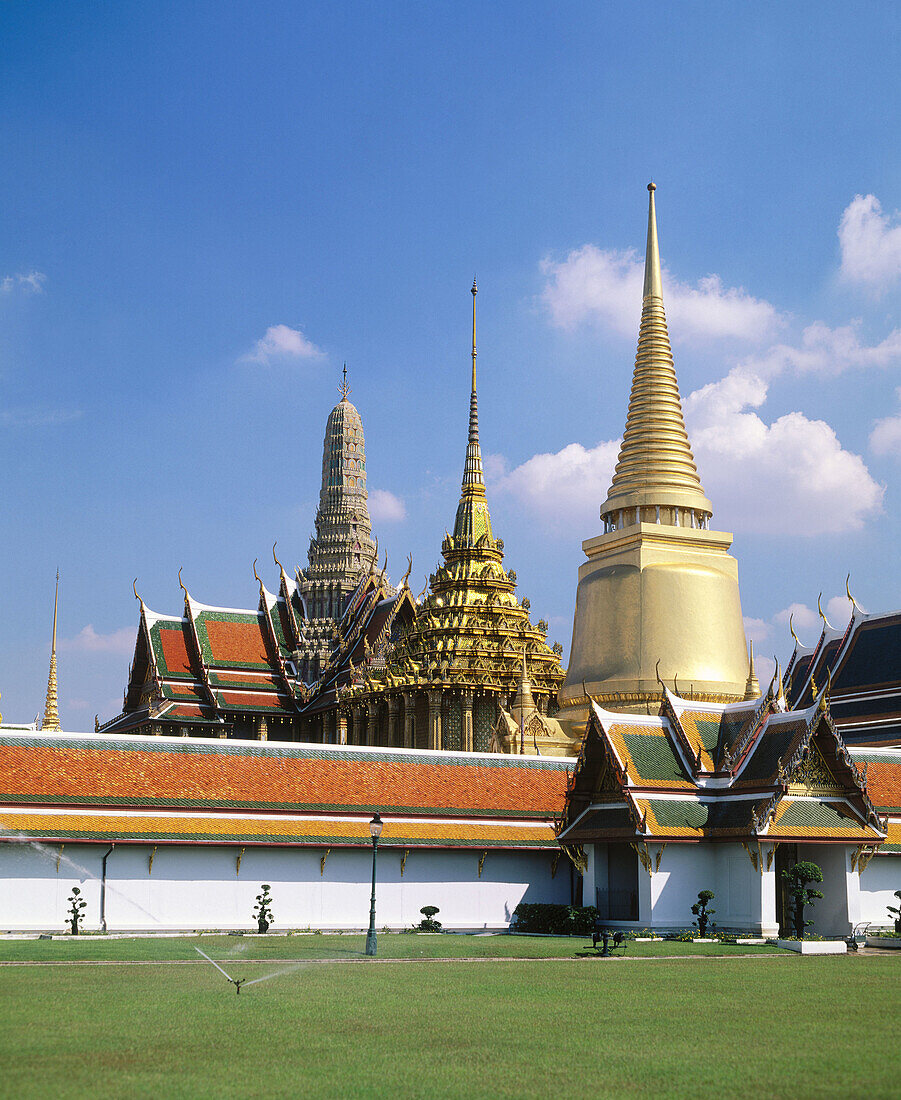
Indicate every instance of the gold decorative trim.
{"type": "Point", "coordinates": [150, 860]}
{"type": "Point", "coordinates": [322, 860]}
{"type": "Point", "coordinates": [238, 859]}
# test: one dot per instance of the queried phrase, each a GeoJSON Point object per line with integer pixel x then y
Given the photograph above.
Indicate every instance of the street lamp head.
{"type": "Point", "coordinates": [375, 827]}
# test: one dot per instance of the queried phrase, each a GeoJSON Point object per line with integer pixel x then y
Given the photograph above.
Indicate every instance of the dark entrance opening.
{"type": "Point", "coordinates": [618, 898]}
{"type": "Point", "coordinates": [786, 858]}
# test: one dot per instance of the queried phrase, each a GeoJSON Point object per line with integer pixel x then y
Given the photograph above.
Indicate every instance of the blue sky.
{"type": "Point", "coordinates": [207, 208]}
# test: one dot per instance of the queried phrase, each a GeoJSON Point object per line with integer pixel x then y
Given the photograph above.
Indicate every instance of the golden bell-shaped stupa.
{"type": "Point", "coordinates": [658, 596]}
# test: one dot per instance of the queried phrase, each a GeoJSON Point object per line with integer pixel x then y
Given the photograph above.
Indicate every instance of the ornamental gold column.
{"type": "Point", "coordinates": [409, 718]}
{"type": "Point", "coordinates": [467, 721]}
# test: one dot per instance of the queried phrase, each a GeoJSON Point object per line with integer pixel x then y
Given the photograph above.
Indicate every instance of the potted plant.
{"type": "Point", "coordinates": [701, 911]}
{"type": "Point", "coordinates": [896, 909]}
{"type": "Point", "coordinates": [77, 905]}
{"type": "Point", "coordinates": [801, 893]}
{"type": "Point", "coordinates": [262, 910]}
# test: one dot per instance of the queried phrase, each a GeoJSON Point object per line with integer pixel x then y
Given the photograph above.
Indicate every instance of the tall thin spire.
{"type": "Point", "coordinates": [656, 471]}
{"type": "Point", "coordinates": [752, 685]}
{"type": "Point", "coordinates": [473, 519]}
{"type": "Point", "coordinates": [51, 706]}
{"type": "Point", "coordinates": [472, 471]}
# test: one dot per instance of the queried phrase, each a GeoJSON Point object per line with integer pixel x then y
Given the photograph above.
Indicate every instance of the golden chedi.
{"type": "Point", "coordinates": [658, 596]}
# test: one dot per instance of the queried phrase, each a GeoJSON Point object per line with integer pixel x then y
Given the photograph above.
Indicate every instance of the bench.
{"type": "Point", "coordinates": [613, 941]}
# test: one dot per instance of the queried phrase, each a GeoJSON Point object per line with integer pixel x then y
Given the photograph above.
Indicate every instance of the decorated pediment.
{"type": "Point", "coordinates": [811, 775]}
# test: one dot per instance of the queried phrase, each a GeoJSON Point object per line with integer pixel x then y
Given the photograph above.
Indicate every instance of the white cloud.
{"type": "Point", "coordinates": [870, 244]}
{"type": "Point", "coordinates": [885, 438]}
{"type": "Point", "coordinates": [604, 286]}
{"type": "Point", "coordinates": [825, 350]}
{"type": "Point", "coordinates": [567, 488]}
{"type": "Point", "coordinates": [282, 342]}
{"type": "Point", "coordinates": [385, 507]}
{"type": "Point", "coordinates": [33, 282]}
{"type": "Point", "coordinates": [807, 622]}
{"type": "Point", "coordinates": [37, 418]}
{"type": "Point", "coordinates": [790, 476]}
{"type": "Point", "coordinates": [757, 630]}
{"type": "Point", "coordinates": [87, 640]}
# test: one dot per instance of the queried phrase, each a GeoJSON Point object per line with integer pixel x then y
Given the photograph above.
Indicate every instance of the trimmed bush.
{"type": "Point", "coordinates": [428, 922]}
{"type": "Point", "coordinates": [262, 911]}
{"type": "Point", "coordinates": [554, 920]}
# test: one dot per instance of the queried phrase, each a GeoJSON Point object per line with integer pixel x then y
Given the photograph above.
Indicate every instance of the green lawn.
{"type": "Point", "coordinates": [767, 1027]}
{"type": "Point", "coordinates": [391, 946]}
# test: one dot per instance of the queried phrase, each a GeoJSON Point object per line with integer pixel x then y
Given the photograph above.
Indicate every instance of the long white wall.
{"type": "Point", "coordinates": [202, 887]}
{"type": "Point", "coordinates": [880, 879]}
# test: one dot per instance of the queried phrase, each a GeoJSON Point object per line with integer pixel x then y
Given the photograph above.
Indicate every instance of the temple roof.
{"type": "Point", "coordinates": [862, 667]}
{"type": "Point", "coordinates": [655, 464]}
{"type": "Point", "coordinates": [749, 771]}
{"type": "Point", "coordinates": [102, 787]}
{"type": "Point", "coordinates": [212, 663]}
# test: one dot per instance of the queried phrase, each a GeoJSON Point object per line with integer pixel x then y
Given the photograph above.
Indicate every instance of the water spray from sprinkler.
{"type": "Point", "coordinates": [236, 982]}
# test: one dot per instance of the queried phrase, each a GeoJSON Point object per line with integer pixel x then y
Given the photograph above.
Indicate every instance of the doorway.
{"type": "Point", "coordinates": [786, 858]}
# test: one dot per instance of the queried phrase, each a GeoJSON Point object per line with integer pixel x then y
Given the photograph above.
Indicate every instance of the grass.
{"type": "Point", "coordinates": [252, 948]}
{"type": "Point", "coordinates": [714, 1027]}
{"type": "Point", "coordinates": [768, 1027]}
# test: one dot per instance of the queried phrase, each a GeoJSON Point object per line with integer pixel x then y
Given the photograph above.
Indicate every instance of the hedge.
{"type": "Point", "coordinates": [559, 920]}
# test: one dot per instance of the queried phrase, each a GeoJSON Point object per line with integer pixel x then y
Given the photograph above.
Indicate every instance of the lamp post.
{"type": "Point", "coordinates": [375, 831]}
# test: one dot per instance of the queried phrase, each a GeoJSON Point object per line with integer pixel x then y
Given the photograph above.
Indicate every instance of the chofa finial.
{"type": "Point", "coordinates": [854, 603]}
{"type": "Point", "coordinates": [822, 614]}
{"type": "Point", "coordinates": [792, 630]}
{"type": "Point", "coordinates": [275, 559]}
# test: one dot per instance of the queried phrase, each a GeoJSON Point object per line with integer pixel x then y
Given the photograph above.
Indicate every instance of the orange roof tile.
{"type": "Point", "coordinates": [67, 770]}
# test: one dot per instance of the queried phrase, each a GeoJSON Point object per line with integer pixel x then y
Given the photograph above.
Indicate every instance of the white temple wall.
{"type": "Point", "coordinates": [684, 870]}
{"type": "Point", "coordinates": [880, 879]}
{"type": "Point", "coordinates": [836, 913]}
{"type": "Point", "coordinates": [199, 886]}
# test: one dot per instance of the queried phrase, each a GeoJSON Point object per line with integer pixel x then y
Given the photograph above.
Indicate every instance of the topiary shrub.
{"type": "Point", "coordinates": [555, 920]}
{"type": "Point", "coordinates": [801, 894]}
{"type": "Point", "coordinates": [77, 906]}
{"type": "Point", "coordinates": [428, 922]}
{"type": "Point", "coordinates": [701, 911]}
{"type": "Point", "coordinates": [262, 910]}
{"type": "Point", "coordinates": [896, 909]}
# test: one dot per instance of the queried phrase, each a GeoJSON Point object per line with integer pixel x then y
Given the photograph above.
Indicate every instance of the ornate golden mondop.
{"type": "Point", "coordinates": [51, 705]}
{"type": "Point", "coordinates": [658, 596]}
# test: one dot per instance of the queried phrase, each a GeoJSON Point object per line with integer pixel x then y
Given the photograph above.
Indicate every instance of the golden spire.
{"type": "Point", "coordinates": [51, 706]}
{"type": "Point", "coordinates": [752, 687]}
{"type": "Point", "coordinates": [656, 470]}
{"type": "Point", "coordinates": [473, 519]}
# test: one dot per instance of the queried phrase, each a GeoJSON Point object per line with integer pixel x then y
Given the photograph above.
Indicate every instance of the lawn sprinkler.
{"type": "Point", "coordinates": [236, 982]}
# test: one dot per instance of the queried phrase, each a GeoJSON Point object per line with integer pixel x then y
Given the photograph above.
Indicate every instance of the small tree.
{"type": "Point", "coordinates": [701, 911]}
{"type": "Point", "coordinates": [801, 894]}
{"type": "Point", "coordinates": [262, 910]}
{"type": "Point", "coordinates": [77, 905]}
{"type": "Point", "coordinates": [896, 909]}
{"type": "Point", "coordinates": [428, 923]}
